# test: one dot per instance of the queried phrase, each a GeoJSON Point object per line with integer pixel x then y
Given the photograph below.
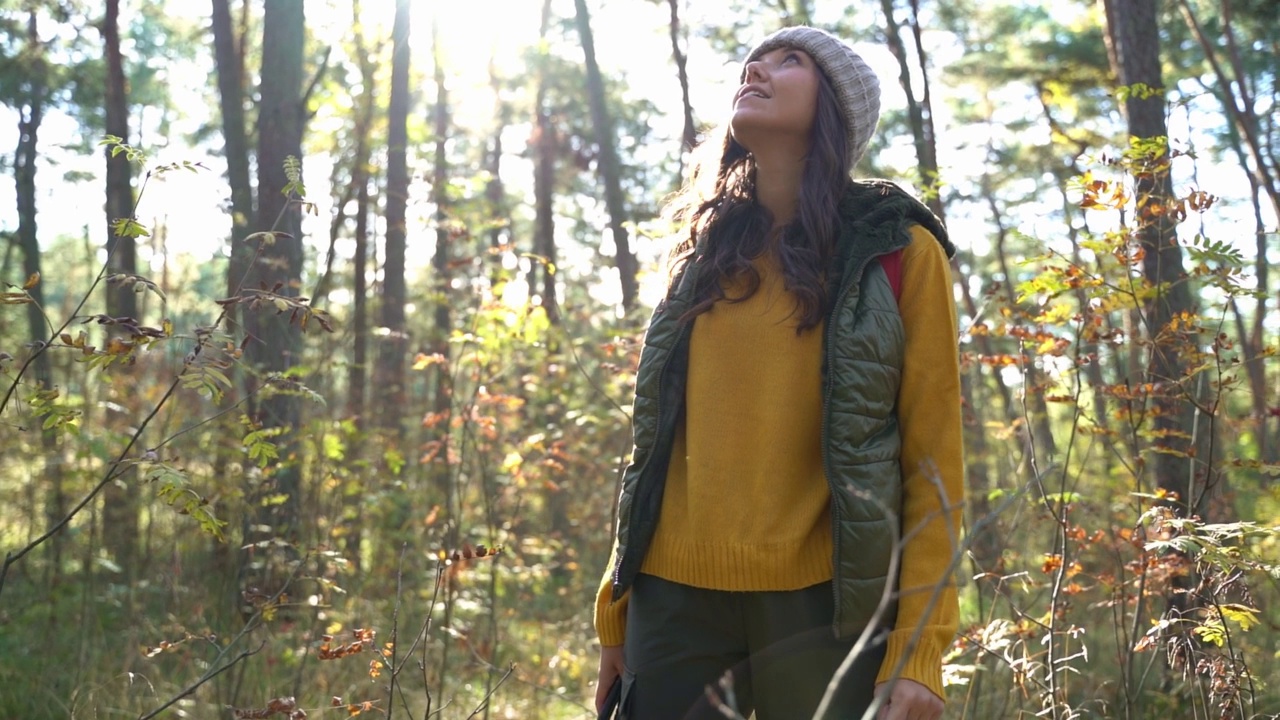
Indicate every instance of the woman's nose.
{"type": "Point", "coordinates": [755, 71]}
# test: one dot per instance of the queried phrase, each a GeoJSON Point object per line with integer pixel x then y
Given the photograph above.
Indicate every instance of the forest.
{"type": "Point", "coordinates": [319, 325]}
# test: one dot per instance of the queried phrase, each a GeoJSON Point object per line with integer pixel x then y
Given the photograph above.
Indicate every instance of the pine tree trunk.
{"type": "Point", "coordinates": [689, 138]}
{"type": "Point", "coordinates": [358, 371]}
{"type": "Point", "coordinates": [494, 191]}
{"type": "Point", "coordinates": [120, 498]}
{"type": "Point", "coordinates": [919, 111]}
{"type": "Point", "coordinates": [229, 61]}
{"type": "Point", "coordinates": [442, 396]}
{"type": "Point", "coordinates": [1134, 38]}
{"type": "Point", "coordinates": [544, 178]}
{"type": "Point", "coordinates": [392, 346]}
{"type": "Point", "coordinates": [30, 115]}
{"type": "Point", "coordinates": [609, 170]}
{"type": "Point", "coordinates": [274, 342]}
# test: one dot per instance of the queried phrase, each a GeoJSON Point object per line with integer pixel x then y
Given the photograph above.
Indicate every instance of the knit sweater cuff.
{"type": "Point", "coordinates": [923, 662]}
{"type": "Point", "coordinates": [611, 617]}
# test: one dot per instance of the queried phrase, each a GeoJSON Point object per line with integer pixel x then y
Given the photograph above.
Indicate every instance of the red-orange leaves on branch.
{"type": "Point", "coordinates": [286, 706]}
{"type": "Point", "coordinates": [167, 645]}
{"type": "Point", "coordinates": [363, 638]}
{"type": "Point", "coordinates": [468, 552]}
{"type": "Point", "coordinates": [354, 709]}
{"type": "Point", "coordinates": [422, 361]}
{"type": "Point", "coordinates": [453, 562]}
{"type": "Point", "coordinates": [1102, 194]}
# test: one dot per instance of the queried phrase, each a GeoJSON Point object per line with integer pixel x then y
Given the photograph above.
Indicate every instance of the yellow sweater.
{"type": "Point", "coordinates": [742, 455]}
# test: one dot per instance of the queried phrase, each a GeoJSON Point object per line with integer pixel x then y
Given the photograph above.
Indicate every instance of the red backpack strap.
{"type": "Point", "coordinates": [892, 264]}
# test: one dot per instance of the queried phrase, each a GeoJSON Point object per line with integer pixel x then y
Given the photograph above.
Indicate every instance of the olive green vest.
{"type": "Point", "coordinates": [861, 371]}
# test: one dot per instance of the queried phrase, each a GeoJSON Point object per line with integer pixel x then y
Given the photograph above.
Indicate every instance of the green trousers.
{"type": "Point", "coordinates": [778, 648]}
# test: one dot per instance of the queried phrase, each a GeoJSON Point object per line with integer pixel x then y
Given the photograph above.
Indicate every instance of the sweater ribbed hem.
{"type": "Point", "coordinates": [741, 567]}
{"type": "Point", "coordinates": [924, 661]}
{"type": "Point", "coordinates": [611, 617]}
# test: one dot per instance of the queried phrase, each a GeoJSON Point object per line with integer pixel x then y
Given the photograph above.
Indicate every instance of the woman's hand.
{"type": "Point", "coordinates": [610, 670]}
{"type": "Point", "coordinates": [909, 701]}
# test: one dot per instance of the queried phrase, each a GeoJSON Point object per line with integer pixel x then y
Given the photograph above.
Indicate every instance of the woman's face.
{"type": "Point", "coordinates": [777, 101]}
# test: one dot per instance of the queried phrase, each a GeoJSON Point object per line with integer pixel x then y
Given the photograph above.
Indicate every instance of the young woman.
{"type": "Point", "coordinates": [797, 471]}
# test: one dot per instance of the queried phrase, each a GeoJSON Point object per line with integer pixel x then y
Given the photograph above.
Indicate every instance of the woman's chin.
{"type": "Point", "coordinates": [745, 126]}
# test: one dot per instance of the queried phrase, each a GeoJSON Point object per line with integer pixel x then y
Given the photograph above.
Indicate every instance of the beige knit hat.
{"type": "Point", "coordinates": [855, 83]}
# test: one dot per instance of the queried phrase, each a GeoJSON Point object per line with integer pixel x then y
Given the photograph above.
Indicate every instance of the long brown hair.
{"type": "Point", "coordinates": [718, 203]}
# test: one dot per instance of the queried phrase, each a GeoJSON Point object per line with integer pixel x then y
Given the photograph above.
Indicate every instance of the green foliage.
{"type": "Point", "coordinates": [257, 443]}
{"type": "Point", "coordinates": [116, 145]}
{"type": "Point", "coordinates": [1141, 91]}
{"type": "Point", "coordinates": [173, 486]}
{"type": "Point", "coordinates": [56, 416]}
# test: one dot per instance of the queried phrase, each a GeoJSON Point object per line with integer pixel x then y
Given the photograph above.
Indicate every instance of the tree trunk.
{"type": "Point", "coordinates": [228, 50]}
{"type": "Point", "coordinates": [274, 342]}
{"type": "Point", "coordinates": [690, 136]}
{"type": "Point", "coordinates": [919, 112]}
{"type": "Point", "coordinates": [120, 498]}
{"type": "Point", "coordinates": [494, 192]}
{"type": "Point", "coordinates": [1237, 101]}
{"type": "Point", "coordinates": [390, 371]}
{"type": "Point", "coordinates": [1238, 105]}
{"type": "Point", "coordinates": [1134, 37]}
{"type": "Point", "coordinates": [30, 115]}
{"type": "Point", "coordinates": [804, 12]}
{"type": "Point", "coordinates": [609, 169]}
{"type": "Point", "coordinates": [544, 178]}
{"type": "Point", "coordinates": [121, 251]}
{"type": "Point", "coordinates": [442, 399]}
{"type": "Point", "coordinates": [358, 371]}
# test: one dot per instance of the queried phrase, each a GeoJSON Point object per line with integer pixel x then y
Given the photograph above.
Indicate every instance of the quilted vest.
{"type": "Point", "coordinates": [862, 368]}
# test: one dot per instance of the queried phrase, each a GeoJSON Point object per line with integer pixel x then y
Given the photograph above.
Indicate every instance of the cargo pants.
{"type": "Point", "coordinates": [777, 646]}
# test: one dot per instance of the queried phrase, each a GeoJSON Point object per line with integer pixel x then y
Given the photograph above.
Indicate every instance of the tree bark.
{"type": "Point", "coordinates": [494, 191]}
{"type": "Point", "coordinates": [544, 176]}
{"type": "Point", "coordinates": [1237, 102]}
{"type": "Point", "coordinates": [228, 50]}
{"type": "Point", "coordinates": [121, 251]}
{"type": "Point", "coordinates": [1239, 105]}
{"type": "Point", "coordinates": [274, 342]}
{"type": "Point", "coordinates": [442, 396]}
{"type": "Point", "coordinates": [392, 346]}
{"type": "Point", "coordinates": [1134, 37]}
{"type": "Point", "coordinates": [120, 498]}
{"type": "Point", "coordinates": [690, 136]}
{"type": "Point", "coordinates": [30, 115]}
{"type": "Point", "coordinates": [608, 160]}
{"type": "Point", "coordinates": [919, 111]}
{"type": "Point", "coordinates": [358, 371]}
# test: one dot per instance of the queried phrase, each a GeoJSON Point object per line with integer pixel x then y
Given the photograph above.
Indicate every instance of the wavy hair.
{"type": "Point", "coordinates": [718, 204]}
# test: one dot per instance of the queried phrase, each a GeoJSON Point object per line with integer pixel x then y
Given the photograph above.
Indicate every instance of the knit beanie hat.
{"type": "Point", "coordinates": [856, 85]}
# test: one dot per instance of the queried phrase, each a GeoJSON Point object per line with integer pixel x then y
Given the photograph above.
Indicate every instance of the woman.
{"type": "Point", "coordinates": [797, 468]}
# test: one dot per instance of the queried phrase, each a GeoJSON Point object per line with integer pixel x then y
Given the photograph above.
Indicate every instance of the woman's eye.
{"type": "Point", "coordinates": [791, 57]}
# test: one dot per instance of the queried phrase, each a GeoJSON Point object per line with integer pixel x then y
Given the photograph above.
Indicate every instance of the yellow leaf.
{"type": "Point", "coordinates": [31, 281]}
{"type": "Point", "coordinates": [1242, 615]}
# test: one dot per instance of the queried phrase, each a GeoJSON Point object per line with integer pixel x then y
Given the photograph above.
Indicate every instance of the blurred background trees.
{"type": "Point", "coordinates": [367, 302]}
